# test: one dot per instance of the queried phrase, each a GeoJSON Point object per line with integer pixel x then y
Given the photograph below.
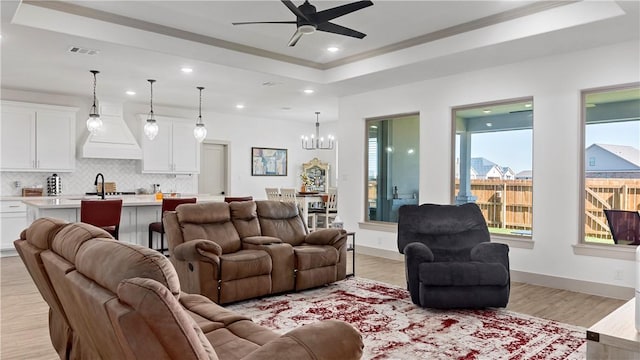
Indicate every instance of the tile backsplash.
{"type": "Point", "coordinates": [125, 173]}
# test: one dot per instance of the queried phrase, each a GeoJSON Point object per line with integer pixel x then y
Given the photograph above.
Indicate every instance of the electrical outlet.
{"type": "Point", "coordinates": [618, 275]}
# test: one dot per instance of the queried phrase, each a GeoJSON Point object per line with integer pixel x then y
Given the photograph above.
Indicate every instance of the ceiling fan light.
{"type": "Point", "coordinates": [307, 29]}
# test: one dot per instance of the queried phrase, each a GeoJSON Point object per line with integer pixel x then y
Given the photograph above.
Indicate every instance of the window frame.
{"type": "Point", "coordinates": [366, 222]}
{"type": "Point", "coordinates": [583, 247]}
{"type": "Point", "coordinates": [520, 241]}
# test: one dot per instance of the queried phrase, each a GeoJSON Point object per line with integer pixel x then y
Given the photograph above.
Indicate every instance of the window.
{"type": "Point", "coordinates": [611, 119]}
{"type": "Point", "coordinates": [392, 165]}
{"type": "Point", "coordinates": [493, 163]}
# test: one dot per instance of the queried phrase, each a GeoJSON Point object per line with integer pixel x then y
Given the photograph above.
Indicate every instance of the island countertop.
{"type": "Point", "coordinates": [73, 202]}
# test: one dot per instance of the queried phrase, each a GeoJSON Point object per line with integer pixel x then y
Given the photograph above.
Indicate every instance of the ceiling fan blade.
{"type": "Point", "coordinates": [339, 29]}
{"type": "Point", "coordinates": [295, 10]}
{"type": "Point", "coordinates": [294, 39]}
{"type": "Point", "coordinates": [263, 22]}
{"type": "Point", "coordinates": [330, 14]}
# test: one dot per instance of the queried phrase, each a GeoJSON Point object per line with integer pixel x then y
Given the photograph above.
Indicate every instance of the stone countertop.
{"type": "Point", "coordinates": [73, 202]}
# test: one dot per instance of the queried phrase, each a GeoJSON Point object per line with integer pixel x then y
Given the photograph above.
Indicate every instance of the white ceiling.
{"type": "Point", "coordinates": [406, 41]}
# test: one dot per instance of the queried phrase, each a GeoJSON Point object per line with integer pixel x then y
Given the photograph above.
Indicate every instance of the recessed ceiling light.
{"type": "Point", "coordinates": [187, 70]}
{"type": "Point", "coordinates": [528, 105]}
{"type": "Point", "coordinates": [333, 49]}
{"type": "Point", "coordinates": [486, 111]}
{"type": "Point", "coordinates": [239, 106]}
{"type": "Point", "coordinates": [308, 91]}
{"type": "Point", "coordinates": [489, 124]}
{"type": "Point", "coordinates": [130, 92]}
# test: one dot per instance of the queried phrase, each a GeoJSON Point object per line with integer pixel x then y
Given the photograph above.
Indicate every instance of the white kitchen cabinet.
{"type": "Point", "coordinates": [128, 224]}
{"type": "Point", "coordinates": [174, 150]}
{"type": "Point", "coordinates": [13, 219]}
{"type": "Point", "coordinates": [36, 137]}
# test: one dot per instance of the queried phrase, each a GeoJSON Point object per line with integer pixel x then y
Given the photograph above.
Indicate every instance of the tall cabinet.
{"type": "Point", "coordinates": [174, 150]}
{"type": "Point", "coordinates": [37, 137]}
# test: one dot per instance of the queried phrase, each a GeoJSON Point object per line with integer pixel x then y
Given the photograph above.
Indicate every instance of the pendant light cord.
{"type": "Point", "coordinates": [151, 81]}
{"type": "Point", "coordinates": [94, 88]}
{"type": "Point", "coordinates": [200, 105]}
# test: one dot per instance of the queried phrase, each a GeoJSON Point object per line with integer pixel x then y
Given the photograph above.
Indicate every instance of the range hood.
{"type": "Point", "coordinates": [114, 140]}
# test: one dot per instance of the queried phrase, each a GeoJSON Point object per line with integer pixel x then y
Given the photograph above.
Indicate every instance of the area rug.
{"type": "Point", "coordinates": [394, 328]}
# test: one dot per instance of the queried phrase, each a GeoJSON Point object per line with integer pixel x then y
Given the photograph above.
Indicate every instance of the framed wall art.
{"type": "Point", "coordinates": [268, 162]}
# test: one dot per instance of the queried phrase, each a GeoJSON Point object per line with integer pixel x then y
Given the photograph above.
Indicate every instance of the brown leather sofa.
{"type": "Point", "coordinates": [241, 250]}
{"type": "Point", "coordinates": [123, 301]}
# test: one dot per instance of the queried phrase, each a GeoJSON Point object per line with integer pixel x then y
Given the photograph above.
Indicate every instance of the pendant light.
{"type": "Point", "coordinates": [93, 122]}
{"type": "Point", "coordinates": [151, 126]}
{"type": "Point", "coordinates": [315, 142]}
{"type": "Point", "coordinates": [200, 132]}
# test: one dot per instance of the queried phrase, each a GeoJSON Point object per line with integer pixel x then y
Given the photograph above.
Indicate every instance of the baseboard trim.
{"type": "Point", "coordinates": [387, 254]}
{"type": "Point", "coordinates": [581, 286]}
{"type": "Point", "coordinates": [8, 252]}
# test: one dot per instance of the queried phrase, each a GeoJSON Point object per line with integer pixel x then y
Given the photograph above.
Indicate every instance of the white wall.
{"type": "Point", "coordinates": [240, 132]}
{"type": "Point", "coordinates": [555, 84]}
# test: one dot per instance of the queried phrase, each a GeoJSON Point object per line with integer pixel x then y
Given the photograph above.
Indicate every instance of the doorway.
{"type": "Point", "coordinates": [214, 168]}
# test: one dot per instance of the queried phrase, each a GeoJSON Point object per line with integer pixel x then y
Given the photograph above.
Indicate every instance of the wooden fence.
{"type": "Point", "coordinates": [507, 204]}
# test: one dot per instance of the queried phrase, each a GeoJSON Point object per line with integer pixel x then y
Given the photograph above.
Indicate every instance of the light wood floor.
{"type": "Point", "coordinates": [24, 331]}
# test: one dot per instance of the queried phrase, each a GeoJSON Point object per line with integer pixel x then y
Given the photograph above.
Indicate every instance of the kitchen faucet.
{"type": "Point", "coordinates": [96, 183]}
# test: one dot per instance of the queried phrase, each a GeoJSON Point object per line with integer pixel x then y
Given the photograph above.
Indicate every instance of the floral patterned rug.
{"type": "Point", "coordinates": [394, 328]}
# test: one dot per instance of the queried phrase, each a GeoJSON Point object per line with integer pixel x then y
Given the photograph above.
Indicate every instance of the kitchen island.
{"type": "Point", "coordinates": [138, 211]}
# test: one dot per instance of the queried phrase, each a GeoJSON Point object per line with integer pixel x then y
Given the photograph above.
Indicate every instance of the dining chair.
{"type": "Point", "coordinates": [272, 193]}
{"type": "Point", "coordinates": [624, 226]}
{"type": "Point", "coordinates": [288, 194]}
{"type": "Point", "coordinates": [102, 213]}
{"type": "Point", "coordinates": [168, 204]}
{"type": "Point", "coordinates": [330, 210]}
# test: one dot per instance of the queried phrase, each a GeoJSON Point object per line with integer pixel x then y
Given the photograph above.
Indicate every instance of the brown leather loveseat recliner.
{"type": "Point", "coordinates": [241, 250]}
{"type": "Point", "coordinates": [123, 301]}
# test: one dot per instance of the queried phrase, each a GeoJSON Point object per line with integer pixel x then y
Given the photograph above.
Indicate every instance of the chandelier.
{"type": "Point", "coordinates": [315, 142]}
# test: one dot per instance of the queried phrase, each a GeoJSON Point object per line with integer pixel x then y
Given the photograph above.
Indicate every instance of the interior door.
{"type": "Point", "coordinates": [213, 169]}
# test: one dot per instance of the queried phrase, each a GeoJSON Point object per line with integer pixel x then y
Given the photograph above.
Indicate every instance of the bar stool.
{"type": "Point", "coordinates": [229, 199]}
{"type": "Point", "coordinates": [102, 213]}
{"type": "Point", "coordinates": [168, 204]}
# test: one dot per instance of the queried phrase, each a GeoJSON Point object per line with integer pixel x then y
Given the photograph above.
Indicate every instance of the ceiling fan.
{"type": "Point", "coordinates": [308, 20]}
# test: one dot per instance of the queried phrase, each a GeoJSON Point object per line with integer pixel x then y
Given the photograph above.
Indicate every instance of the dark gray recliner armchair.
{"type": "Point", "coordinates": [450, 261]}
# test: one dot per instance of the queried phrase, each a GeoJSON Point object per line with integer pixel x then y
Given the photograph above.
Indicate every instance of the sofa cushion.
{"type": "Point", "coordinates": [204, 213]}
{"type": "Point", "coordinates": [125, 261]}
{"type": "Point", "coordinates": [42, 231]}
{"type": "Point", "coordinates": [243, 264]}
{"type": "Point", "coordinates": [245, 218]}
{"type": "Point", "coordinates": [68, 240]}
{"type": "Point", "coordinates": [463, 274]}
{"type": "Point", "coordinates": [316, 256]}
{"type": "Point", "coordinates": [282, 220]}
{"type": "Point", "coordinates": [164, 315]}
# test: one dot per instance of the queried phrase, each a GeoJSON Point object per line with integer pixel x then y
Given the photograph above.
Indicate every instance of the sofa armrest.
{"type": "Point", "coordinates": [261, 240]}
{"type": "Point", "coordinates": [489, 252]}
{"type": "Point", "coordinates": [198, 250]}
{"type": "Point", "coordinates": [324, 340]}
{"type": "Point", "coordinates": [415, 254]}
{"type": "Point", "coordinates": [325, 237]}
